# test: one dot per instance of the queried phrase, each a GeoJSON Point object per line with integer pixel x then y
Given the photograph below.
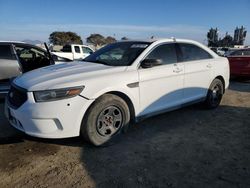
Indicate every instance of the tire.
{"type": "Point", "coordinates": [105, 119]}
{"type": "Point", "coordinates": [214, 95]}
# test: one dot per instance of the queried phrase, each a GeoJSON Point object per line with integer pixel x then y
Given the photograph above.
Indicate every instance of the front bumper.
{"type": "Point", "coordinates": [55, 119]}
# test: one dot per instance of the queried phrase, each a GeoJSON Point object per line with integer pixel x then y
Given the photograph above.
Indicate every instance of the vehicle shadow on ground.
{"type": "Point", "coordinates": [190, 147]}
{"type": "Point", "coordinates": [240, 84]}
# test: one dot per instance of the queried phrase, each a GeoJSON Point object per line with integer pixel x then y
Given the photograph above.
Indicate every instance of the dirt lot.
{"type": "Point", "coordinates": [191, 147]}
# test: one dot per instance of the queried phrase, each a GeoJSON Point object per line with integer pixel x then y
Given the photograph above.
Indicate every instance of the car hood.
{"type": "Point", "coordinates": [64, 75]}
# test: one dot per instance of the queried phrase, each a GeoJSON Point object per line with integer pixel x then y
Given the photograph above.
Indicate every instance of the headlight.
{"type": "Point", "coordinates": [57, 94]}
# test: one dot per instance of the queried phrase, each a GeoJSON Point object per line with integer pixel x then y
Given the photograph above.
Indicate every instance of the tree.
{"type": "Point", "coordinates": [110, 40]}
{"type": "Point", "coordinates": [63, 38]}
{"type": "Point", "coordinates": [96, 39]}
{"type": "Point", "coordinates": [227, 41]}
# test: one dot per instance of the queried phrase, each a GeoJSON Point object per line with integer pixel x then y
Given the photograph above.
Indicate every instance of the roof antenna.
{"type": "Point", "coordinates": [173, 38]}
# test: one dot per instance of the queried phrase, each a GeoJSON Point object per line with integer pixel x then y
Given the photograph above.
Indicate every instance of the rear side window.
{"type": "Point", "coordinates": [77, 49]}
{"type": "Point", "coordinates": [5, 52]}
{"type": "Point", "coordinates": [165, 52]}
{"type": "Point", "coordinates": [192, 52]}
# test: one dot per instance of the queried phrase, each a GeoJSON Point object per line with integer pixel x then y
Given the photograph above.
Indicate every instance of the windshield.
{"type": "Point", "coordinates": [118, 54]}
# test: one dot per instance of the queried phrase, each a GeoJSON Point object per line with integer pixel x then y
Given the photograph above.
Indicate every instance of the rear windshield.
{"type": "Point", "coordinates": [66, 48]}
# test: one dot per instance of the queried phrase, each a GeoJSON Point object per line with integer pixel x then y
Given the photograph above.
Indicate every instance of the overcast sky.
{"type": "Point", "coordinates": [35, 20]}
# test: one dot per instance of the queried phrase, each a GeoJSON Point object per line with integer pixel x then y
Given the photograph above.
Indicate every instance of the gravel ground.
{"type": "Point", "coordinates": [190, 147]}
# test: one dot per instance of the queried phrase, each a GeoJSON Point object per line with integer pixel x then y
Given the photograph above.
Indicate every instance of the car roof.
{"type": "Point", "coordinates": [22, 43]}
{"type": "Point", "coordinates": [12, 42]}
{"type": "Point", "coordinates": [160, 40]}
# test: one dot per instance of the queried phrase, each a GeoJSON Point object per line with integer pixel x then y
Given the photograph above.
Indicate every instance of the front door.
{"type": "Point", "coordinates": [161, 86]}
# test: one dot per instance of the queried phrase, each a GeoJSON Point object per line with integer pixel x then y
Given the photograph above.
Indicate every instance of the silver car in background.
{"type": "Point", "coordinates": [17, 58]}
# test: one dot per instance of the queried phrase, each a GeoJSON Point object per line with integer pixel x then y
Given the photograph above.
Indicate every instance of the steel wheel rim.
{"type": "Point", "coordinates": [109, 121]}
{"type": "Point", "coordinates": [216, 94]}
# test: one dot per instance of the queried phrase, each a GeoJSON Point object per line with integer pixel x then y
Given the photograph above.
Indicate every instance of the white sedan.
{"type": "Point", "coordinates": [122, 82]}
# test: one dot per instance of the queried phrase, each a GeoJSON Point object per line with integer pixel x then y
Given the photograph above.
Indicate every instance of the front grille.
{"type": "Point", "coordinates": [17, 96]}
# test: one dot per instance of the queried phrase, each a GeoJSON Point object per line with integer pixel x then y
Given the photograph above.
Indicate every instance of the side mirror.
{"type": "Point", "coordinates": [148, 63]}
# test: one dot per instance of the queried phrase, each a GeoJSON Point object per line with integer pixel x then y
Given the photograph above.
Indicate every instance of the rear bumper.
{"type": "Point", "coordinates": [57, 119]}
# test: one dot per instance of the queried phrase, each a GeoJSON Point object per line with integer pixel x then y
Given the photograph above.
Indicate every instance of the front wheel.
{"type": "Point", "coordinates": [214, 95]}
{"type": "Point", "coordinates": [105, 119]}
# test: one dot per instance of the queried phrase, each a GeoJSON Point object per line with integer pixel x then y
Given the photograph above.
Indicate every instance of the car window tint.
{"type": "Point", "coordinates": [77, 49]}
{"type": "Point", "coordinates": [86, 50]}
{"type": "Point", "coordinates": [192, 52]}
{"type": "Point", "coordinates": [5, 52]}
{"type": "Point", "coordinates": [165, 52]}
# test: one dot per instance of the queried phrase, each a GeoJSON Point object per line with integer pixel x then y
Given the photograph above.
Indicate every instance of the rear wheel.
{"type": "Point", "coordinates": [105, 119]}
{"type": "Point", "coordinates": [214, 94]}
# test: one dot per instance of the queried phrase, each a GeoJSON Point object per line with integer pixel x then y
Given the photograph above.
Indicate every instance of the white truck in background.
{"type": "Point", "coordinates": [74, 52]}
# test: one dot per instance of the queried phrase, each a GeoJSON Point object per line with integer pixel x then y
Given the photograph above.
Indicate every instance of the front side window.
{"type": "Point", "coordinates": [5, 52]}
{"type": "Point", "coordinates": [31, 57]}
{"type": "Point", "coordinates": [165, 52]}
{"type": "Point", "coordinates": [30, 53]}
{"type": "Point", "coordinates": [118, 54]}
{"type": "Point", "coordinates": [192, 52]}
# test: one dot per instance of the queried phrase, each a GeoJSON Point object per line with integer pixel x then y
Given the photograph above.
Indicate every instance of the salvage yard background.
{"type": "Point", "coordinates": [191, 147]}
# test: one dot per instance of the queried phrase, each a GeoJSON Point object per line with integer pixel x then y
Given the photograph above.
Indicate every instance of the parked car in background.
{"type": "Point", "coordinates": [122, 82]}
{"type": "Point", "coordinates": [74, 52]}
{"type": "Point", "coordinates": [230, 50]}
{"type": "Point", "coordinates": [239, 61]}
{"type": "Point", "coordinates": [17, 58]}
{"type": "Point", "coordinates": [221, 51]}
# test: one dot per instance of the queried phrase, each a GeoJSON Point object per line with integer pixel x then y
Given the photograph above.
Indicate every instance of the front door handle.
{"type": "Point", "coordinates": [209, 65]}
{"type": "Point", "coordinates": [177, 70]}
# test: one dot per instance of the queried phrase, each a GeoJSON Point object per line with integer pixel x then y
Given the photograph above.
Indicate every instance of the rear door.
{"type": "Point", "coordinates": [198, 65]}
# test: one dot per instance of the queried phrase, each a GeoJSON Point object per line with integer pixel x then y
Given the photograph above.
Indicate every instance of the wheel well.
{"type": "Point", "coordinates": [223, 82]}
{"type": "Point", "coordinates": [127, 100]}
{"type": "Point", "coordinates": [121, 95]}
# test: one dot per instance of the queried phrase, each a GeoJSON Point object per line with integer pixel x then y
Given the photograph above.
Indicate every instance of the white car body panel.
{"type": "Point", "coordinates": [185, 82]}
